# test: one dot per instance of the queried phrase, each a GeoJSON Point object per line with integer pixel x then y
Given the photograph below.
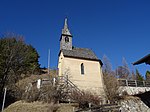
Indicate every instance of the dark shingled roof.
{"type": "Point", "coordinates": [82, 53]}
{"type": "Point", "coordinates": [145, 59]}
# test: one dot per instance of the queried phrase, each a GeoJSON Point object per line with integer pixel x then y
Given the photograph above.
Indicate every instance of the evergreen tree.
{"type": "Point", "coordinates": [139, 76]}
{"type": "Point", "coordinates": [17, 60]}
{"type": "Point", "coordinates": [148, 75]}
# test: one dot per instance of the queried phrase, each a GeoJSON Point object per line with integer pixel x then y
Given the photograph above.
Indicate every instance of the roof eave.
{"type": "Point", "coordinates": [85, 59]}
{"type": "Point", "coordinates": [145, 59]}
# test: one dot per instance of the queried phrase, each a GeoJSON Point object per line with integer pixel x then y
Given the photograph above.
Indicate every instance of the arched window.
{"type": "Point", "coordinates": [66, 39]}
{"type": "Point", "coordinates": [82, 68]}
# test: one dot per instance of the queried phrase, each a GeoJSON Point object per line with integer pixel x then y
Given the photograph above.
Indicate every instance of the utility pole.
{"type": "Point", "coordinates": [48, 61]}
{"type": "Point", "coordinates": [4, 99]}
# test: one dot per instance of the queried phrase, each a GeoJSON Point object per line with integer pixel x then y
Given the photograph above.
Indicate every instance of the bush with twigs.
{"type": "Point", "coordinates": [85, 97]}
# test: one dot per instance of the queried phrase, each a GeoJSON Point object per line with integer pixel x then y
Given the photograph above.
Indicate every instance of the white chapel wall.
{"type": "Point", "coordinates": [91, 80]}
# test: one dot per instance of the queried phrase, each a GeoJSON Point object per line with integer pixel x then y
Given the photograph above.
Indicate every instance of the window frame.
{"type": "Point", "coordinates": [82, 69]}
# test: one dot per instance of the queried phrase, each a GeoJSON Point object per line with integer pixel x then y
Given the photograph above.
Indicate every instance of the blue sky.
{"type": "Point", "coordinates": [116, 28]}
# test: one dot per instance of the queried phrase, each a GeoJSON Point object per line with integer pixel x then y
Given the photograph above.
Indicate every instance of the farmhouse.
{"type": "Point", "coordinates": [80, 65]}
{"type": "Point", "coordinates": [145, 59]}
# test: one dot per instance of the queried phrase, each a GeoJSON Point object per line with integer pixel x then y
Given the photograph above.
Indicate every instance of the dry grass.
{"type": "Point", "coordinates": [24, 82]}
{"type": "Point", "coordinates": [19, 88]}
{"type": "Point", "coordinates": [65, 108]}
{"type": "Point", "coordinates": [21, 106]}
{"type": "Point", "coordinates": [127, 97]}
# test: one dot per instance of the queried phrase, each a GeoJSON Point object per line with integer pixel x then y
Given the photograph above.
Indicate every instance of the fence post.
{"type": "Point", "coordinates": [126, 82]}
{"type": "Point", "coordinates": [4, 99]}
{"type": "Point", "coordinates": [73, 108]}
{"type": "Point", "coordinates": [144, 84]}
{"type": "Point", "coordinates": [54, 81]}
{"type": "Point", "coordinates": [39, 81]}
{"type": "Point", "coordinates": [136, 83]}
{"type": "Point", "coordinates": [90, 106]}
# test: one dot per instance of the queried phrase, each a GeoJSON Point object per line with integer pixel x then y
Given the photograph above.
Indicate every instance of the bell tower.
{"type": "Point", "coordinates": [66, 38]}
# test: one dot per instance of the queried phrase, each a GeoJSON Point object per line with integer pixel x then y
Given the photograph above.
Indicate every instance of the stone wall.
{"type": "Point", "coordinates": [133, 90]}
{"type": "Point", "coordinates": [133, 104]}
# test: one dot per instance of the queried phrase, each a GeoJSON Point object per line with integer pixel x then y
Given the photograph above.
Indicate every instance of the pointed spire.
{"type": "Point", "coordinates": [65, 25]}
{"type": "Point", "coordinates": [65, 30]}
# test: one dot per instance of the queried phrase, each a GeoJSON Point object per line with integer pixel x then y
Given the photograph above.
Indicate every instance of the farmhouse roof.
{"type": "Point", "coordinates": [145, 59]}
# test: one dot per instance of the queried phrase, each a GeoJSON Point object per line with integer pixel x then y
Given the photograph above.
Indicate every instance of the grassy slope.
{"type": "Point", "coordinates": [21, 106]}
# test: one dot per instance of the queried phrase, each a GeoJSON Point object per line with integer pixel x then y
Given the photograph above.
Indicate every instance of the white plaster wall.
{"type": "Point", "coordinates": [92, 80]}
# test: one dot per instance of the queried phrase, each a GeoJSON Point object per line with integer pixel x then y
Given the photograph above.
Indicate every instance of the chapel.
{"type": "Point", "coordinates": [81, 65]}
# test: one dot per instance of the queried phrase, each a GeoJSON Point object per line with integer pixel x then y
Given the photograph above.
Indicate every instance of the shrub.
{"type": "Point", "coordinates": [47, 94]}
{"type": "Point", "coordinates": [84, 98]}
{"type": "Point", "coordinates": [111, 87]}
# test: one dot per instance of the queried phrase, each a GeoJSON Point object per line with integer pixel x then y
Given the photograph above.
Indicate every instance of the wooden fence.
{"type": "Point", "coordinates": [133, 83]}
{"type": "Point", "coordinates": [101, 108]}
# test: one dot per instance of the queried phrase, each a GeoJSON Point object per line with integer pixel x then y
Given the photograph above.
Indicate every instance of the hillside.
{"type": "Point", "coordinates": [21, 106]}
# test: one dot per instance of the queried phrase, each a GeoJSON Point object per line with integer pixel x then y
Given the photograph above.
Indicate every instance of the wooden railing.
{"type": "Point", "coordinates": [133, 83]}
{"type": "Point", "coordinates": [65, 80]}
{"type": "Point", "coordinates": [62, 81]}
{"type": "Point", "coordinates": [101, 108]}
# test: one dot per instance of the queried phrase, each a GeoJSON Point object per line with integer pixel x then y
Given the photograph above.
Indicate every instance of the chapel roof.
{"type": "Point", "coordinates": [82, 53]}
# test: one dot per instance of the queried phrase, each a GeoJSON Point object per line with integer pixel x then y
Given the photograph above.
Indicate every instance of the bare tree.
{"type": "Point", "coordinates": [133, 76]}
{"type": "Point", "coordinates": [85, 98]}
{"type": "Point", "coordinates": [107, 67]}
{"type": "Point", "coordinates": [110, 81]}
{"type": "Point", "coordinates": [123, 71]}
